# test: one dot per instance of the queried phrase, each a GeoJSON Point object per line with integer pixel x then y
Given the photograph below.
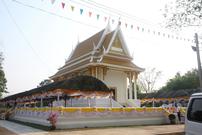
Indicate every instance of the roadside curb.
{"type": "Point", "coordinates": [174, 133]}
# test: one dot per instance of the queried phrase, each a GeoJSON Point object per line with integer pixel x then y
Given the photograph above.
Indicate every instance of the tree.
{"type": "Point", "coordinates": [182, 13]}
{"type": "Point", "coordinates": [2, 77]}
{"type": "Point", "coordinates": [44, 82]}
{"type": "Point", "coordinates": [147, 80]}
{"type": "Point", "coordinates": [187, 81]}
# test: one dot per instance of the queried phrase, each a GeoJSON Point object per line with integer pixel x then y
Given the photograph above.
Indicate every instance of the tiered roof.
{"type": "Point", "coordinates": [106, 48]}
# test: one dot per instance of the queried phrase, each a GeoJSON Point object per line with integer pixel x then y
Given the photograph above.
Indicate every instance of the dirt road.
{"type": "Point", "coordinates": [17, 129]}
{"type": "Point", "coordinates": [4, 131]}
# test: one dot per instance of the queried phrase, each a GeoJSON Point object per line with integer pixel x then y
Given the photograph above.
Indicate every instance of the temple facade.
{"type": "Point", "coordinates": [105, 56]}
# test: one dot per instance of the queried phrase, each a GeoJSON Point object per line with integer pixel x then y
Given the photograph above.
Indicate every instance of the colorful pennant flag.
{"type": "Point", "coordinates": [105, 18]}
{"type": "Point", "coordinates": [119, 22]}
{"type": "Point", "coordinates": [126, 25]}
{"type": "Point", "coordinates": [112, 21]}
{"type": "Point", "coordinates": [90, 14]}
{"type": "Point", "coordinates": [81, 11]}
{"type": "Point", "coordinates": [72, 7]}
{"type": "Point", "coordinates": [52, 1]}
{"type": "Point", "coordinates": [63, 5]}
{"type": "Point", "coordinates": [98, 16]}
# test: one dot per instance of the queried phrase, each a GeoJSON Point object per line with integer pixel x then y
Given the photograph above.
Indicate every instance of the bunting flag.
{"type": "Point", "coordinates": [119, 22]}
{"type": "Point", "coordinates": [52, 1]}
{"type": "Point", "coordinates": [112, 21]}
{"type": "Point", "coordinates": [90, 14]}
{"type": "Point", "coordinates": [126, 25]}
{"type": "Point", "coordinates": [98, 16]}
{"type": "Point", "coordinates": [81, 11]}
{"type": "Point", "coordinates": [63, 5]}
{"type": "Point", "coordinates": [72, 8]}
{"type": "Point", "coordinates": [105, 18]}
{"type": "Point", "coordinates": [124, 22]}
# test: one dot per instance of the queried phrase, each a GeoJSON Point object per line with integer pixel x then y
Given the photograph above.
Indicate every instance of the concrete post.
{"type": "Point", "coordinates": [198, 60]}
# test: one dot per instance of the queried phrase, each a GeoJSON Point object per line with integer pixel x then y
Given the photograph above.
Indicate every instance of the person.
{"type": "Point", "coordinates": [178, 112]}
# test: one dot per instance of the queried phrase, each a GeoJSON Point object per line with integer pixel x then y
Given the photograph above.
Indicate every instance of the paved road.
{"type": "Point", "coordinates": [4, 131]}
{"type": "Point", "coordinates": [138, 130]}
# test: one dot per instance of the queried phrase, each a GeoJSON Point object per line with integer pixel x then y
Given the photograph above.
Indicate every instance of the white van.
{"type": "Point", "coordinates": [193, 120]}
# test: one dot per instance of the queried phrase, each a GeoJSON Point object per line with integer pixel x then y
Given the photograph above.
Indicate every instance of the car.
{"type": "Point", "coordinates": [193, 119]}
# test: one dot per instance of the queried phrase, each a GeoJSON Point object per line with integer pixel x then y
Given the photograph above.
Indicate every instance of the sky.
{"type": "Point", "coordinates": [36, 37]}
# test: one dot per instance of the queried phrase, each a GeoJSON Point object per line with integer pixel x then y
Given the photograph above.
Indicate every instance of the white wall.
{"type": "Point", "coordinates": [117, 79]}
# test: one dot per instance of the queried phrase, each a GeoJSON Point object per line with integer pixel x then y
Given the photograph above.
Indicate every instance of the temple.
{"type": "Point", "coordinates": [95, 88]}
{"type": "Point", "coordinates": [106, 57]}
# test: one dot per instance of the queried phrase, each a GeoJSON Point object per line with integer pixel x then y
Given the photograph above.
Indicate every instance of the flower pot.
{"type": "Point", "coordinates": [172, 118]}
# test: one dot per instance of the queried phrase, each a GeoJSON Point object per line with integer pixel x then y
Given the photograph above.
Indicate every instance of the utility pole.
{"type": "Point", "coordinates": [198, 59]}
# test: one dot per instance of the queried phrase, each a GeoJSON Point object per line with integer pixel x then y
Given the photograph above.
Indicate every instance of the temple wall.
{"type": "Point", "coordinates": [91, 117]}
{"type": "Point", "coordinates": [118, 80]}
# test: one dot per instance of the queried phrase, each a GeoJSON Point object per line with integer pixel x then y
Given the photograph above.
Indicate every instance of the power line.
{"type": "Point", "coordinates": [22, 33]}
{"type": "Point", "coordinates": [83, 3]}
{"type": "Point", "coordinates": [120, 13]}
{"type": "Point", "coordinates": [54, 14]}
{"type": "Point", "coordinates": [64, 17]}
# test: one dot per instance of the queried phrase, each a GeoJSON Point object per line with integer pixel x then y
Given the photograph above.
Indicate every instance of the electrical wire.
{"type": "Point", "coordinates": [22, 34]}
{"type": "Point", "coordinates": [54, 14]}
{"type": "Point", "coordinates": [118, 12]}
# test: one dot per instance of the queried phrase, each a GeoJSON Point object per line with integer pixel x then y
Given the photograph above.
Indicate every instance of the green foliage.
{"type": "Point", "coordinates": [2, 77]}
{"type": "Point", "coordinates": [44, 82]}
{"type": "Point", "coordinates": [189, 80]}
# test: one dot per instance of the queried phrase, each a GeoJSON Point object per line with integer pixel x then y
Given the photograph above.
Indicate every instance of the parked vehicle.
{"type": "Point", "coordinates": [193, 120]}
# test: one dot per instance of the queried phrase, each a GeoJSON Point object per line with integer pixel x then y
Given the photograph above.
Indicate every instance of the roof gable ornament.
{"type": "Point", "coordinates": [107, 30]}
{"type": "Point", "coordinates": [97, 54]}
{"type": "Point", "coordinates": [118, 33]}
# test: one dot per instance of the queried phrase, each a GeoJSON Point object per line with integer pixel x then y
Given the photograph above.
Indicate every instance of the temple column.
{"type": "Point", "coordinates": [96, 74]}
{"type": "Point", "coordinates": [41, 104]}
{"type": "Point", "coordinates": [104, 72]}
{"type": "Point", "coordinates": [134, 85]}
{"type": "Point", "coordinates": [130, 85]}
{"type": "Point", "coordinates": [58, 97]}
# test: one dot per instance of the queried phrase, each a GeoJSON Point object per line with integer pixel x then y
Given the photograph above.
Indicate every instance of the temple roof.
{"type": "Point", "coordinates": [86, 46]}
{"type": "Point", "coordinates": [104, 48]}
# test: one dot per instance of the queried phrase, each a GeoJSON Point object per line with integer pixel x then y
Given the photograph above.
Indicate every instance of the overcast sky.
{"type": "Point", "coordinates": [36, 37]}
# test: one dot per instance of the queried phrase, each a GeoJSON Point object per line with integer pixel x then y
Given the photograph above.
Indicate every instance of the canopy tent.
{"type": "Point", "coordinates": [83, 85]}
{"type": "Point", "coordinates": [171, 93]}
{"type": "Point", "coordinates": [171, 96]}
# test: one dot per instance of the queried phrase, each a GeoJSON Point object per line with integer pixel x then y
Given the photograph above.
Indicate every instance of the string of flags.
{"type": "Point", "coordinates": [68, 5]}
